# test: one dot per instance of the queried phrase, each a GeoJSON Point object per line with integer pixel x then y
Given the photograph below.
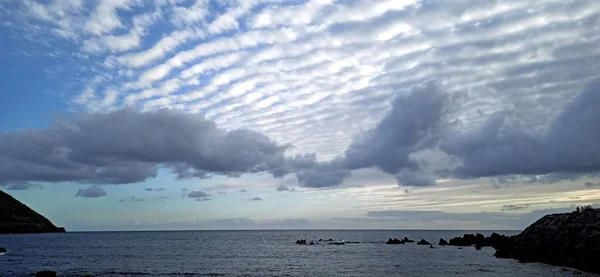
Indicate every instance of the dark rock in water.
{"type": "Point", "coordinates": [311, 243]}
{"type": "Point", "coordinates": [479, 239]}
{"type": "Point", "coordinates": [16, 218]}
{"type": "Point", "coordinates": [478, 246]}
{"type": "Point", "coordinates": [2, 250]}
{"type": "Point", "coordinates": [337, 243]}
{"type": "Point", "coordinates": [423, 242]}
{"type": "Point", "coordinates": [431, 246]}
{"type": "Point", "coordinates": [568, 239]}
{"type": "Point", "coordinates": [394, 241]}
{"type": "Point", "coordinates": [301, 241]}
{"type": "Point", "coordinates": [443, 242]}
{"type": "Point", "coordinates": [353, 242]}
{"type": "Point", "coordinates": [460, 248]}
{"type": "Point", "coordinates": [406, 240]}
{"type": "Point", "coordinates": [46, 273]}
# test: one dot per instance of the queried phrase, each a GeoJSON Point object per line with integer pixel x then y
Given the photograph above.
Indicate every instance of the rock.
{"type": "Point", "coordinates": [46, 273]}
{"type": "Point", "coordinates": [431, 246]}
{"type": "Point", "coordinates": [443, 242]}
{"type": "Point", "coordinates": [567, 239]}
{"type": "Point", "coordinates": [2, 250]}
{"type": "Point", "coordinates": [423, 242]}
{"type": "Point", "coordinates": [17, 218]}
{"type": "Point", "coordinates": [301, 241]}
{"type": "Point", "coordinates": [478, 246]}
{"type": "Point", "coordinates": [479, 239]}
{"type": "Point", "coordinates": [394, 241]}
{"type": "Point", "coordinates": [337, 243]}
{"type": "Point", "coordinates": [311, 243]}
{"type": "Point", "coordinates": [406, 240]}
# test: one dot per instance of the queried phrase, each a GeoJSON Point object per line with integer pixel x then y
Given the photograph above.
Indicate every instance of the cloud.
{"type": "Point", "coordinates": [19, 186]}
{"type": "Point", "coordinates": [199, 195]}
{"type": "Point", "coordinates": [502, 147]}
{"type": "Point", "coordinates": [159, 189]}
{"type": "Point", "coordinates": [93, 191]}
{"type": "Point", "coordinates": [284, 188]}
{"type": "Point", "coordinates": [514, 207]}
{"type": "Point", "coordinates": [254, 199]}
{"type": "Point", "coordinates": [592, 184]}
{"type": "Point", "coordinates": [81, 148]}
{"type": "Point", "coordinates": [243, 190]}
{"type": "Point", "coordinates": [149, 189]}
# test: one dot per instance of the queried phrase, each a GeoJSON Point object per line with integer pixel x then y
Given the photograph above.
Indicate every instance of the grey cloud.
{"type": "Point", "coordinates": [416, 179]}
{"type": "Point", "coordinates": [83, 148]}
{"type": "Point", "coordinates": [243, 190]}
{"type": "Point", "coordinates": [19, 186]}
{"type": "Point", "coordinates": [592, 184]}
{"type": "Point", "coordinates": [514, 207]}
{"type": "Point", "coordinates": [199, 195]}
{"type": "Point", "coordinates": [255, 199]}
{"type": "Point", "coordinates": [149, 189]}
{"type": "Point", "coordinates": [413, 124]}
{"type": "Point", "coordinates": [567, 146]}
{"type": "Point", "coordinates": [93, 191]}
{"type": "Point", "coordinates": [221, 192]}
{"type": "Point", "coordinates": [159, 189]}
{"type": "Point", "coordinates": [284, 188]}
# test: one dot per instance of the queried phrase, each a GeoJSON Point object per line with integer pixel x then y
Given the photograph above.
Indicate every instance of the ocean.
{"type": "Point", "coordinates": [255, 253]}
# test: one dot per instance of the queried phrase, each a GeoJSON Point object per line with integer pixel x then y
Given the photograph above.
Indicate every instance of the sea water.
{"type": "Point", "coordinates": [255, 253]}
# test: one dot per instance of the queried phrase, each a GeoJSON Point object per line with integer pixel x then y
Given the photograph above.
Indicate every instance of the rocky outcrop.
{"type": "Point", "coordinates": [423, 242]}
{"type": "Point", "coordinates": [479, 240]}
{"type": "Point", "coordinates": [568, 239]}
{"type": "Point", "coordinates": [17, 218]}
{"type": "Point", "coordinates": [443, 242]}
{"type": "Point", "coordinates": [394, 241]}
{"type": "Point", "coordinates": [301, 241]}
{"type": "Point", "coordinates": [406, 240]}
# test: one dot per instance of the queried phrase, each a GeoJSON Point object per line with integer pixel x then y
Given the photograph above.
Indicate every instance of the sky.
{"type": "Point", "coordinates": [277, 114]}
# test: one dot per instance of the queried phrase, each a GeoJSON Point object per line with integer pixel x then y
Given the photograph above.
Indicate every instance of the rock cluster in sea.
{"type": "Point", "coordinates": [2, 250]}
{"type": "Point", "coordinates": [567, 239]}
{"type": "Point", "coordinates": [399, 241]}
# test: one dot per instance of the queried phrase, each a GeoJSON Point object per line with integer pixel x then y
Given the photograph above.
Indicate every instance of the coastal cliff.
{"type": "Point", "coordinates": [568, 239]}
{"type": "Point", "coordinates": [17, 218]}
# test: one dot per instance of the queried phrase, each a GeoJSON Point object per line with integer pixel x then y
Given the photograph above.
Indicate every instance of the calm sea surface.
{"type": "Point", "coordinates": [253, 253]}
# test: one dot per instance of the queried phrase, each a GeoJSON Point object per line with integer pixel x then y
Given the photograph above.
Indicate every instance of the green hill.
{"type": "Point", "coordinates": [17, 218]}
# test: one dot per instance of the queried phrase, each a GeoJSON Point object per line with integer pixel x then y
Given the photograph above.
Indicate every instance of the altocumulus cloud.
{"type": "Point", "coordinates": [93, 191]}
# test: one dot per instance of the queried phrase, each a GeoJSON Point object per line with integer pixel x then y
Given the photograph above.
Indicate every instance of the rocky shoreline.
{"type": "Point", "coordinates": [567, 239]}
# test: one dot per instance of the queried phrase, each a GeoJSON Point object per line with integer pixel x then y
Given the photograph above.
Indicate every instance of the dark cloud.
{"type": "Point", "coordinates": [514, 207]}
{"type": "Point", "coordinates": [410, 126]}
{"type": "Point", "coordinates": [83, 148]}
{"type": "Point", "coordinates": [592, 184]}
{"type": "Point", "coordinates": [199, 195]}
{"type": "Point", "coordinates": [184, 189]}
{"type": "Point", "coordinates": [284, 188]}
{"type": "Point", "coordinates": [19, 186]}
{"type": "Point", "coordinates": [93, 191]}
{"type": "Point", "coordinates": [415, 178]}
{"type": "Point", "coordinates": [149, 189]}
{"type": "Point", "coordinates": [243, 190]}
{"type": "Point", "coordinates": [566, 148]}
{"type": "Point", "coordinates": [159, 189]}
{"type": "Point", "coordinates": [255, 199]}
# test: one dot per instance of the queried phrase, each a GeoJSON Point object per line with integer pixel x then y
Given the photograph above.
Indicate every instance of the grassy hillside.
{"type": "Point", "coordinates": [16, 217]}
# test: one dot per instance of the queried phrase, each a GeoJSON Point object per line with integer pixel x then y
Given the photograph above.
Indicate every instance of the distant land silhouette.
{"type": "Point", "coordinates": [17, 218]}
